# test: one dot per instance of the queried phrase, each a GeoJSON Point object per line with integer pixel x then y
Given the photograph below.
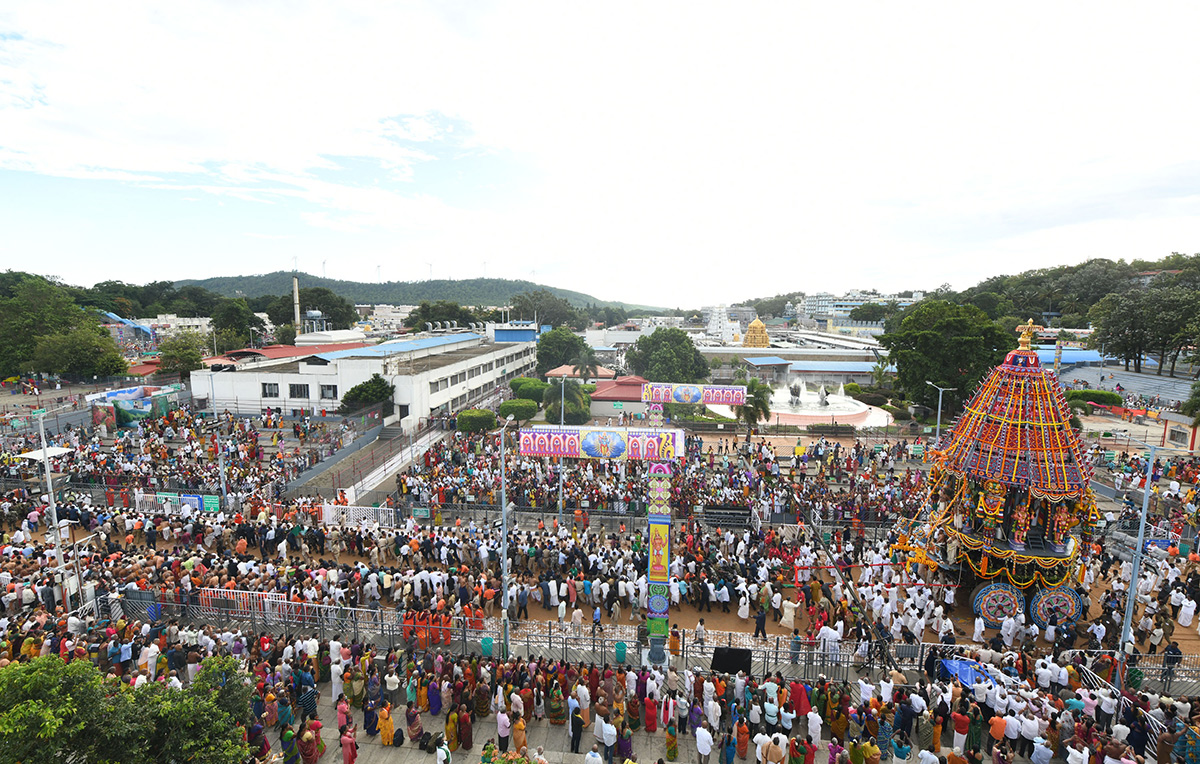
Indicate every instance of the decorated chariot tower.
{"type": "Point", "coordinates": [1010, 501]}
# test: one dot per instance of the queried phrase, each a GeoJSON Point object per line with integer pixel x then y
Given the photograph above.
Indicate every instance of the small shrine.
{"type": "Point", "coordinates": [756, 335]}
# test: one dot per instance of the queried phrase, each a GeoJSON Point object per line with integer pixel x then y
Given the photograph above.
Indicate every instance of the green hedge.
{"type": "Point", "coordinates": [532, 390]}
{"type": "Point", "coordinates": [899, 414]}
{"type": "Point", "coordinates": [574, 415]}
{"type": "Point", "coordinates": [515, 383]}
{"type": "Point", "coordinates": [588, 389]}
{"type": "Point", "coordinates": [852, 388]}
{"type": "Point", "coordinates": [476, 420]}
{"type": "Point", "coordinates": [1107, 397]}
{"type": "Point", "coordinates": [871, 399]}
{"type": "Point", "coordinates": [520, 408]}
{"type": "Point", "coordinates": [830, 429]}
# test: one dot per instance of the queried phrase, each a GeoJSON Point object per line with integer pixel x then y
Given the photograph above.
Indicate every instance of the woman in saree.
{"type": "Point", "coordinates": [616, 714]}
{"type": "Point", "coordinates": [260, 747]}
{"type": "Point", "coordinates": [287, 717]}
{"type": "Point", "coordinates": [412, 688]}
{"type": "Point", "coordinates": [624, 742]}
{"type": "Point", "coordinates": [555, 710]}
{"type": "Point", "coordinates": [412, 717]}
{"type": "Point", "coordinates": [795, 752]}
{"type": "Point", "coordinates": [974, 729]}
{"type": "Point", "coordinates": [519, 738]}
{"type": "Point", "coordinates": [483, 700]}
{"type": "Point", "coordinates": [358, 689]}
{"type": "Point", "coordinates": [743, 738]}
{"type": "Point", "coordinates": [466, 730]}
{"type": "Point", "coordinates": [435, 698]}
{"type": "Point", "coordinates": [423, 686]}
{"type": "Point", "coordinates": [694, 716]}
{"type": "Point", "coordinates": [451, 730]}
{"type": "Point", "coordinates": [633, 714]}
{"type": "Point", "coordinates": [387, 727]}
{"type": "Point", "coordinates": [838, 722]}
{"type": "Point", "coordinates": [271, 711]}
{"type": "Point", "coordinates": [651, 714]}
{"type": "Point", "coordinates": [884, 739]}
{"type": "Point", "coordinates": [672, 741]}
{"type": "Point", "coordinates": [289, 747]}
{"type": "Point", "coordinates": [447, 694]}
{"type": "Point", "coordinates": [343, 711]}
{"type": "Point", "coordinates": [375, 689]}
{"type": "Point", "coordinates": [371, 717]}
{"type": "Point", "coordinates": [308, 746]}
{"type": "Point", "coordinates": [835, 749]}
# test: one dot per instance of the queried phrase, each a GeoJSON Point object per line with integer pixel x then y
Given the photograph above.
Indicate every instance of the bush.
{"type": "Point", "coordinates": [830, 429]}
{"type": "Point", "coordinates": [476, 420]}
{"type": "Point", "coordinates": [588, 389]}
{"type": "Point", "coordinates": [852, 388]}
{"type": "Point", "coordinates": [532, 390]}
{"type": "Point", "coordinates": [520, 408]}
{"type": "Point", "coordinates": [515, 383]}
{"type": "Point", "coordinates": [871, 399]}
{"type": "Point", "coordinates": [574, 415]}
{"type": "Point", "coordinates": [1081, 406]}
{"type": "Point", "coordinates": [899, 414]}
{"type": "Point", "coordinates": [1106, 397]}
{"type": "Point", "coordinates": [364, 394]}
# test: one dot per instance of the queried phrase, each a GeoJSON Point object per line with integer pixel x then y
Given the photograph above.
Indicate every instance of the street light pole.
{"type": "Point", "coordinates": [504, 535]}
{"type": "Point", "coordinates": [562, 408]}
{"type": "Point", "coordinates": [53, 529]}
{"type": "Point", "coordinates": [1131, 593]}
{"type": "Point", "coordinates": [938, 432]}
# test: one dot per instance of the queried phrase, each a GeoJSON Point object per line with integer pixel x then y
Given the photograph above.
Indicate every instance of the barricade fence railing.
{"type": "Point", "coordinates": [481, 514]}
{"type": "Point", "coordinates": [1148, 672]}
{"type": "Point", "coordinates": [254, 612]}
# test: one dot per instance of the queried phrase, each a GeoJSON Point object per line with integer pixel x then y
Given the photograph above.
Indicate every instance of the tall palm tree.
{"type": "Point", "coordinates": [569, 389]}
{"type": "Point", "coordinates": [586, 367]}
{"type": "Point", "coordinates": [758, 405]}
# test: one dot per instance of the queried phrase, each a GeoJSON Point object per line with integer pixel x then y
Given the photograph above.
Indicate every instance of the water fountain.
{"type": "Point", "coordinates": [795, 404]}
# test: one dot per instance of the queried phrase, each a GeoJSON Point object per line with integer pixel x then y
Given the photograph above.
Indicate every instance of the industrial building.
{"type": "Point", "coordinates": [433, 375]}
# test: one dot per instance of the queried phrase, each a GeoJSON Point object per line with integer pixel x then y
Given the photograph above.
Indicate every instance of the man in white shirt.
{"type": "Point", "coordinates": [704, 742]}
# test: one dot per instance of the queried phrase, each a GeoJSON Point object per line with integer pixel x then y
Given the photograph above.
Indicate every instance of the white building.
{"type": "Point", "coordinates": [433, 375]}
{"type": "Point", "coordinates": [719, 326]}
{"type": "Point", "coordinates": [826, 305]}
{"type": "Point", "coordinates": [166, 324]}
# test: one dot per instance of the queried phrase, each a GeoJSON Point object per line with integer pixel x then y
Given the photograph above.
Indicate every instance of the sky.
{"type": "Point", "coordinates": [663, 153]}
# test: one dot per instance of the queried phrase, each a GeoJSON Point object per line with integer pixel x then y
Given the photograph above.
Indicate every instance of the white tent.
{"type": "Point", "coordinates": [51, 452]}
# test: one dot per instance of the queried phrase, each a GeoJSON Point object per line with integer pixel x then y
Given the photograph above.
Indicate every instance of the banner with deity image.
{"type": "Point", "coordinates": [601, 443]}
{"type": "Point", "coordinates": [715, 395]}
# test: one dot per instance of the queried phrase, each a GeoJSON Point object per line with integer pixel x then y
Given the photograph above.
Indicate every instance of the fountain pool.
{"type": "Point", "coordinates": [801, 406]}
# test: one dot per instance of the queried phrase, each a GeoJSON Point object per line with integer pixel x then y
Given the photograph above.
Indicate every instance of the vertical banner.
{"type": "Point", "coordinates": [658, 573]}
{"type": "Point", "coordinates": [654, 415]}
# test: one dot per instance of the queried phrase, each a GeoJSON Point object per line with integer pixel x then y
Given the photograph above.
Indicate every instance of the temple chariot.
{"type": "Point", "coordinates": [1009, 508]}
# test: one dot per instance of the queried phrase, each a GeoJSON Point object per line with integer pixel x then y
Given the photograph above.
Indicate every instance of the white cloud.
{"type": "Point", "coordinates": [680, 152]}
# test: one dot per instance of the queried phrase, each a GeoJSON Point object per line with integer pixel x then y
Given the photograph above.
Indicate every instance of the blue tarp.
{"type": "Point", "coordinates": [966, 670]}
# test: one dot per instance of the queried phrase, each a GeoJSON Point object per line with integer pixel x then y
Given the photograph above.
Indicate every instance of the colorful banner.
{"type": "Point", "coordinates": [718, 395]}
{"type": "Point", "coordinates": [658, 602]}
{"type": "Point", "coordinates": [601, 443]}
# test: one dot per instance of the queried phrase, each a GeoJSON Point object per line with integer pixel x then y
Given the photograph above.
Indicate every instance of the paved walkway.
{"type": "Point", "coordinates": [1172, 388]}
{"type": "Point", "coordinates": [649, 747]}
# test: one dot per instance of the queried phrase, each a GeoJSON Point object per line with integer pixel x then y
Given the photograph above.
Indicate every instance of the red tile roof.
{"type": "Point", "coordinates": [627, 389]}
{"type": "Point", "coordinates": [274, 352]}
{"type": "Point", "coordinates": [567, 370]}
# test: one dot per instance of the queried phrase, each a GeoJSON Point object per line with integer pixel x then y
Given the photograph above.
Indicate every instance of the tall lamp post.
{"type": "Point", "coordinates": [504, 534]}
{"type": "Point", "coordinates": [562, 409]}
{"type": "Point", "coordinates": [1131, 592]}
{"type": "Point", "coordinates": [52, 531]}
{"type": "Point", "coordinates": [938, 432]}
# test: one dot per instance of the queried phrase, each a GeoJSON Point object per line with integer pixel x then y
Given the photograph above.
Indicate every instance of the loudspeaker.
{"type": "Point", "coordinates": [730, 660]}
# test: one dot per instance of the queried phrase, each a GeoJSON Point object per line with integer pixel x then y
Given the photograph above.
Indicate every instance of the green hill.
{"type": "Point", "coordinates": [471, 292]}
